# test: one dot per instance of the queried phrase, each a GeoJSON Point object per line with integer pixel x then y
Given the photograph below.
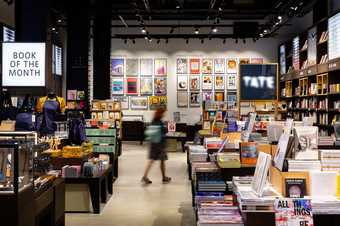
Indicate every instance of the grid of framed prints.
{"type": "Point", "coordinates": [134, 79]}
{"type": "Point", "coordinates": [202, 78]}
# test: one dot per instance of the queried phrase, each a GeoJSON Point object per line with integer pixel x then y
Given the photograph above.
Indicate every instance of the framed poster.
{"type": "Point", "coordinates": [117, 86]}
{"type": "Point", "coordinates": [254, 88]}
{"type": "Point", "coordinates": [219, 96]}
{"type": "Point", "coordinates": [207, 82]}
{"type": "Point", "coordinates": [146, 86]}
{"type": "Point", "coordinates": [182, 82]}
{"type": "Point", "coordinates": [146, 67]}
{"type": "Point", "coordinates": [207, 66]}
{"type": "Point", "coordinates": [219, 82]}
{"type": "Point", "coordinates": [296, 53]}
{"type": "Point", "coordinates": [195, 99]}
{"type": "Point", "coordinates": [156, 102]}
{"type": "Point", "coordinates": [231, 81]}
{"type": "Point", "coordinates": [244, 61]}
{"type": "Point", "coordinates": [160, 86]}
{"type": "Point", "coordinates": [256, 60]}
{"type": "Point", "coordinates": [139, 103]}
{"type": "Point", "coordinates": [194, 66]}
{"type": "Point", "coordinates": [219, 66]}
{"type": "Point", "coordinates": [182, 66]}
{"type": "Point", "coordinates": [283, 59]}
{"type": "Point", "coordinates": [131, 67]}
{"type": "Point", "coordinates": [208, 96]}
{"type": "Point", "coordinates": [312, 50]}
{"type": "Point", "coordinates": [195, 82]}
{"type": "Point", "coordinates": [160, 67]}
{"type": "Point", "coordinates": [117, 66]}
{"type": "Point", "coordinates": [124, 101]}
{"type": "Point", "coordinates": [231, 66]}
{"type": "Point", "coordinates": [182, 99]}
{"type": "Point", "coordinates": [131, 86]}
{"type": "Point", "coordinates": [333, 37]}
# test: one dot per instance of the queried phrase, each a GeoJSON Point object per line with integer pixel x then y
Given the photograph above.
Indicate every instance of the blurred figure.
{"type": "Point", "coordinates": [156, 135]}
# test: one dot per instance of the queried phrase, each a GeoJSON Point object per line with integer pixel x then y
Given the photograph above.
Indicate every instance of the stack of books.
{"type": "Point", "coordinates": [197, 153]}
{"type": "Point", "coordinates": [326, 205]}
{"type": "Point", "coordinates": [211, 185]}
{"type": "Point", "coordinates": [304, 165]}
{"type": "Point", "coordinates": [330, 160]}
{"type": "Point", "coordinates": [203, 167]}
{"type": "Point", "coordinates": [212, 142]}
{"type": "Point", "coordinates": [326, 141]}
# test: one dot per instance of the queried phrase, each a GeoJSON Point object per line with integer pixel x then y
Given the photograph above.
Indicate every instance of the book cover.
{"type": "Point", "coordinates": [295, 187]}
{"type": "Point", "coordinates": [248, 153]}
{"type": "Point", "coordinates": [293, 212]}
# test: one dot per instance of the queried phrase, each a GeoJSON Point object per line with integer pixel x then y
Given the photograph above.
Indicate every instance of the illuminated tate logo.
{"type": "Point", "coordinates": [259, 82]}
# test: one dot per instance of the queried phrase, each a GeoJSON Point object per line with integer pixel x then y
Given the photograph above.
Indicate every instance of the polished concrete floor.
{"type": "Point", "coordinates": [135, 205]}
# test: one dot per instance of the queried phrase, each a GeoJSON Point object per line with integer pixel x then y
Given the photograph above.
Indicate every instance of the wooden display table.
{"type": "Point", "coordinates": [179, 137]}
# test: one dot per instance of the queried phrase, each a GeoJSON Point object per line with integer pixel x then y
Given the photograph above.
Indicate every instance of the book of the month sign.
{"type": "Point", "coordinates": [23, 64]}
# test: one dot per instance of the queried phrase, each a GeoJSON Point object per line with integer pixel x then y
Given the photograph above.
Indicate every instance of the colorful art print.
{"type": "Point", "coordinates": [219, 96]}
{"type": "Point", "coordinates": [123, 100]}
{"type": "Point", "coordinates": [117, 66]}
{"type": "Point", "coordinates": [207, 82]}
{"type": "Point", "coordinates": [231, 81]}
{"type": "Point", "coordinates": [146, 86]}
{"type": "Point", "coordinates": [182, 82]}
{"type": "Point", "coordinates": [293, 212]}
{"type": "Point", "coordinates": [206, 125]}
{"type": "Point", "coordinates": [160, 86]}
{"type": "Point", "coordinates": [160, 67]}
{"type": "Point", "coordinates": [171, 126]}
{"type": "Point", "coordinates": [244, 61]}
{"type": "Point", "coordinates": [295, 187]}
{"type": "Point", "coordinates": [219, 82]}
{"type": "Point", "coordinates": [219, 116]}
{"type": "Point", "coordinates": [132, 86]}
{"type": "Point", "coordinates": [219, 66]}
{"type": "Point", "coordinates": [131, 67]}
{"type": "Point", "coordinates": [195, 99]}
{"type": "Point", "coordinates": [231, 66]}
{"type": "Point", "coordinates": [182, 66]}
{"type": "Point", "coordinates": [231, 98]}
{"type": "Point", "coordinates": [207, 66]}
{"type": "Point", "coordinates": [257, 60]}
{"type": "Point", "coordinates": [80, 95]}
{"type": "Point", "coordinates": [156, 102]}
{"type": "Point", "coordinates": [139, 103]}
{"type": "Point", "coordinates": [146, 66]}
{"type": "Point", "coordinates": [208, 96]}
{"type": "Point", "coordinates": [182, 99]}
{"type": "Point", "coordinates": [195, 82]}
{"type": "Point", "coordinates": [71, 94]}
{"type": "Point", "coordinates": [194, 66]}
{"type": "Point", "coordinates": [117, 86]}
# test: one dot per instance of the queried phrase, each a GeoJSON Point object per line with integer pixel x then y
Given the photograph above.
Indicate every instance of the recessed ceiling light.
{"type": "Point", "coordinates": [279, 17]}
{"type": "Point", "coordinates": [214, 29]}
{"type": "Point", "coordinates": [265, 31]}
{"type": "Point", "coordinates": [197, 31]}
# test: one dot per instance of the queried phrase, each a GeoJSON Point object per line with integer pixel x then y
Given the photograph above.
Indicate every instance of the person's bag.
{"type": "Point", "coordinates": [153, 133]}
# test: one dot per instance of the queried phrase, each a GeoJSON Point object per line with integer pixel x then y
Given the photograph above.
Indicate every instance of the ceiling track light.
{"type": "Point", "coordinates": [202, 40]}
{"type": "Point", "coordinates": [244, 41]}
{"type": "Point", "coordinates": [125, 41]}
{"type": "Point", "coordinates": [197, 31]}
{"type": "Point", "coordinates": [279, 17]}
{"type": "Point", "coordinates": [224, 41]}
{"type": "Point", "coordinates": [143, 30]}
{"type": "Point", "coordinates": [158, 41]}
{"type": "Point", "coordinates": [187, 41]}
{"type": "Point", "coordinates": [214, 29]}
{"type": "Point", "coordinates": [149, 39]}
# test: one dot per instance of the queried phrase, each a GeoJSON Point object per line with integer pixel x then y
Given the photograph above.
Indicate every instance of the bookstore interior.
{"type": "Point", "coordinates": [251, 129]}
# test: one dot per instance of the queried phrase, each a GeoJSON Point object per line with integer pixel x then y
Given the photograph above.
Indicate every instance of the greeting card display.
{"type": "Point", "coordinates": [139, 103]}
{"type": "Point", "coordinates": [194, 65]}
{"type": "Point", "coordinates": [156, 102]}
{"type": "Point", "coordinates": [171, 126]}
{"type": "Point", "coordinates": [219, 96]}
{"type": "Point", "coordinates": [231, 66]}
{"type": "Point", "coordinates": [194, 83]}
{"type": "Point", "coordinates": [207, 66]}
{"type": "Point", "coordinates": [182, 99]}
{"type": "Point", "coordinates": [146, 67]}
{"type": "Point", "coordinates": [219, 66]}
{"type": "Point", "coordinates": [207, 82]}
{"type": "Point", "coordinates": [132, 86]}
{"type": "Point", "coordinates": [160, 67]}
{"type": "Point", "coordinates": [117, 66]}
{"type": "Point", "coordinates": [219, 82]}
{"type": "Point", "coordinates": [195, 99]}
{"type": "Point", "coordinates": [182, 66]}
{"type": "Point", "coordinates": [123, 100]}
{"type": "Point", "coordinates": [131, 67]}
{"type": "Point", "coordinates": [117, 86]}
{"type": "Point", "coordinates": [146, 86]}
{"type": "Point", "coordinates": [160, 86]}
{"type": "Point", "coordinates": [182, 82]}
{"type": "Point", "coordinates": [208, 96]}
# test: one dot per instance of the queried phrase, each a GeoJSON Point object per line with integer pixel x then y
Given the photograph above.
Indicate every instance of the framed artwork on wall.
{"type": "Point", "coordinates": [256, 60]}
{"type": "Point", "coordinates": [146, 67]}
{"type": "Point", "coordinates": [182, 99]}
{"type": "Point", "coordinates": [194, 65]}
{"type": "Point", "coordinates": [131, 67]}
{"type": "Point", "coordinates": [231, 81]}
{"type": "Point", "coordinates": [160, 67]}
{"type": "Point", "coordinates": [160, 86]}
{"type": "Point", "coordinates": [207, 82]}
{"type": "Point", "coordinates": [207, 96]}
{"type": "Point", "coordinates": [182, 66]}
{"type": "Point", "coordinates": [156, 102]}
{"type": "Point", "coordinates": [244, 61]}
{"type": "Point", "coordinates": [195, 82]}
{"type": "Point", "coordinates": [117, 86]}
{"type": "Point", "coordinates": [146, 86]}
{"type": "Point", "coordinates": [124, 101]}
{"type": "Point", "coordinates": [182, 82]}
{"type": "Point", "coordinates": [117, 66]}
{"type": "Point", "coordinates": [195, 99]}
{"type": "Point", "coordinates": [219, 82]}
{"type": "Point", "coordinates": [131, 86]}
{"type": "Point", "coordinates": [219, 96]}
{"type": "Point", "coordinates": [219, 66]}
{"type": "Point", "coordinates": [207, 66]}
{"type": "Point", "coordinates": [231, 65]}
{"type": "Point", "coordinates": [139, 103]}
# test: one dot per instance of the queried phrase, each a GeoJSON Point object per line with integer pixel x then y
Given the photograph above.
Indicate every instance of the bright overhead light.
{"type": "Point", "coordinates": [146, 37]}
{"type": "Point", "coordinates": [279, 17]}
{"type": "Point", "coordinates": [59, 21]}
{"type": "Point", "coordinates": [178, 7]}
{"type": "Point", "coordinates": [214, 29]}
{"type": "Point", "coordinates": [261, 35]}
{"type": "Point", "coordinates": [265, 31]}
{"type": "Point", "coordinates": [197, 31]}
{"type": "Point", "coordinates": [143, 30]}
{"type": "Point", "coordinates": [53, 28]}
{"type": "Point", "coordinates": [150, 39]}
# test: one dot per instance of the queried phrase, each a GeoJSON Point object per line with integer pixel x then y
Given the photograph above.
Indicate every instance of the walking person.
{"type": "Point", "coordinates": [156, 134]}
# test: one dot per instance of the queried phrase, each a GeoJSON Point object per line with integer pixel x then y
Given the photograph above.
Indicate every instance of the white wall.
{"type": "Point", "coordinates": [265, 48]}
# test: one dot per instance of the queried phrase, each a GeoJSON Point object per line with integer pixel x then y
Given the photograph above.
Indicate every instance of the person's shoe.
{"type": "Point", "coordinates": [166, 180]}
{"type": "Point", "coordinates": [146, 180]}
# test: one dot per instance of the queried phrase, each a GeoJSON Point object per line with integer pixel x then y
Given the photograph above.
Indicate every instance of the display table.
{"type": "Point", "coordinates": [179, 137]}
{"type": "Point", "coordinates": [99, 186]}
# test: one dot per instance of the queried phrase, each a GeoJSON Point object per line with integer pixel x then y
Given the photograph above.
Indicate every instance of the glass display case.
{"type": "Point", "coordinates": [16, 166]}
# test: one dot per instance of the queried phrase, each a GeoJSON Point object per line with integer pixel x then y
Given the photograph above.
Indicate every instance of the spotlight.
{"type": "Point", "coordinates": [261, 35]}
{"type": "Point", "coordinates": [171, 30]}
{"type": "Point", "coordinates": [150, 39]}
{"type": "Point", "coordinates": [146, 37]}
{"type": "Point", "coordinates": [265, 31]}
{"type": "Point", "coordinates": [53, 28]}
{"type": "Point", "coordinates": [279, 17]}
{"type": "Point", "coordinates": [143, 30]}
{"type": "Point", "coordinates": [59, 21]}
{"type": "Point", "coordinates": [214, 29]}
{"type": "Point", "coordinates": [178, 6]}
{"type": "Point", "coordinates": [187, 41]}
{"type": "Point", "coordinates": [244, 41]}
{"type": "Point", "coordinates": [197, 31]}
{"type": "Point", "coordinates": [224, 41]}
{"type": "Point", "coordinates": [158, 41]}
{"type": "Point", "coordinates": [220, 9]}
{"type": "Point", "coordinates": [202, 40]}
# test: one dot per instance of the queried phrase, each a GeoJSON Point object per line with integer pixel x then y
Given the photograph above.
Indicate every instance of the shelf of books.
{"type": "Point", "coordinates": [309, 83]}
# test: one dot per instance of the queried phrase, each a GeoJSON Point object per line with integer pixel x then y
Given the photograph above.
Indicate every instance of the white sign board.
{"type": "Point", "coordinates": [23, 64]}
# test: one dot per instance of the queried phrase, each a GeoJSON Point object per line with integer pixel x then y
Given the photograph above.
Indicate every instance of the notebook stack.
{"type": "Point", "coordinates": [330, 160]}
{"type": "Point", "coordinates": [303, 165]}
